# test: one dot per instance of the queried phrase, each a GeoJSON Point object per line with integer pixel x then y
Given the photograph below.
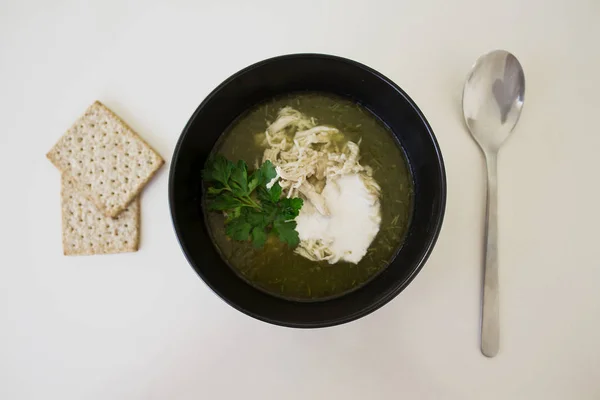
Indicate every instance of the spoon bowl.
{"type": "Point", "coordinates": [493, 98]}
{"type": "Point", "coordinates": [492, 104]}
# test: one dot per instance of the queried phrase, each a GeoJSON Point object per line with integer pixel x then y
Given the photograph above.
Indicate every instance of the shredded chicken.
{"type": "Point", "coordinates": [316, 250]}
{"type": "Point", "coordinates": [315, 198]}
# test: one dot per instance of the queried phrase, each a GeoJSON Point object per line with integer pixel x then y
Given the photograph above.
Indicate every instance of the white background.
{"type": "Point", "coordinates": [144, 326]}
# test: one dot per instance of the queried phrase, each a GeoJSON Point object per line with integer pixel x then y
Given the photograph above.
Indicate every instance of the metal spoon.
{"type": "Point", "coordinates": [492, 102]}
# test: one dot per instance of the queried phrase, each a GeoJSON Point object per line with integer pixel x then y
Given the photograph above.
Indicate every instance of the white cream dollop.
{"type": "Point", "coordinates": [353, 223]}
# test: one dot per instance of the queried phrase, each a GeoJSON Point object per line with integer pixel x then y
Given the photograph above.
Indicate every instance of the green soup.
{"type": "Point", "coordinates": [275, 268]}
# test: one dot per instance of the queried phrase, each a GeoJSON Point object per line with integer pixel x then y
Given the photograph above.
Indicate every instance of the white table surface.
{"type": "Point", "coordinates": [144, 326]}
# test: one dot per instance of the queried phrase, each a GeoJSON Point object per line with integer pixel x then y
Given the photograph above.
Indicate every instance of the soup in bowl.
{"type": "Point", "coordinates": [307, 190]}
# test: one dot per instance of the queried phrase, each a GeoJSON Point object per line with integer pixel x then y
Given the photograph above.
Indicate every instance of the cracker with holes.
{"type": "Point", "coordinates": [105, 159]}
{"type": "Point", "coordinates": [88, 231]}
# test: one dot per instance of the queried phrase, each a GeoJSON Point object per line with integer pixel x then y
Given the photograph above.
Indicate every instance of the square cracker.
{"type": "Point", "coordinates": [87, 231]}
{"type": "Point", "coordinates": [107, 161]}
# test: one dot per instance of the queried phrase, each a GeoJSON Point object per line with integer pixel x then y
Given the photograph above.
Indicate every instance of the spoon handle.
{"type": "Point", "coordinates": [490, 319]}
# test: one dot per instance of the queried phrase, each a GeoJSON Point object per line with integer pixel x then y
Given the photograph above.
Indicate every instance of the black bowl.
{"type": "Point", "coordinates": [307, 72]}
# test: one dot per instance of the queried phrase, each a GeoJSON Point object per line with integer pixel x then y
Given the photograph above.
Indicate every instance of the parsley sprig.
{"type": "Point", "coordinates": [252, 210]}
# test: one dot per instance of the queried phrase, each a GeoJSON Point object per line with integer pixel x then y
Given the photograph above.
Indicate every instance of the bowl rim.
{"type": "Point", "coordinates": [437, 223]}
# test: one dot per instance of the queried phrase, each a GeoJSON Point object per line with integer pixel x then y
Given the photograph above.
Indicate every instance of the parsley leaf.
{"type": "Point", "coordinates": [290, 208]}
{"type": "Point", "coordinates": [224, 202]}
{"type": "Point", "coordinates": [275, 192]}
{"type": "Point", "coordinates": [253, 211]}
{"type": "Point", "coordinates": [256, 218]}
{"type": "Point", "coordinates": [259, 237]}
{"type": "Point", "coordinates": [286, 231]}
{"type": "Point", "coordinates": [267, 172]}
{"type": "Point", "coordinates": [239, 179]}
{"type": "Point", "coordinates": [238, 229]}
{"type": "Point", "coordinates": [219, 170]}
